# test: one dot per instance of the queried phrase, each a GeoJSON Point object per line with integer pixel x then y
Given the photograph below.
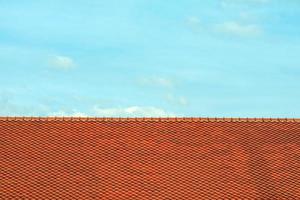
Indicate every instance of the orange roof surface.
{"type": "Point", "coordinates": [149, 158]}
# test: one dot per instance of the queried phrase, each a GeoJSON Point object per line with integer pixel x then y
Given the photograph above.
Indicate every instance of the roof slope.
{"type": "Point", "coordinates": [167, 158]}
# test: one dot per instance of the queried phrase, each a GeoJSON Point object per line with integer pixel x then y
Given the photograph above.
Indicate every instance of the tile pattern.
{"type": "Point", "coordinates": [149, 158]}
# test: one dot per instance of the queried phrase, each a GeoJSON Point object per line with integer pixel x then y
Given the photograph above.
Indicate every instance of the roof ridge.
{"type": "Point", "coordinates": [168, 119]}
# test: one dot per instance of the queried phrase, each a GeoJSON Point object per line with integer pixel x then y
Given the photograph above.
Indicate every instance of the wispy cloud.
{"type": "Point", "coordinates": [229, 3]}
{"type": "Point", "coordinates": [239, 29]}
{"type": "Point", "coordinates": [62, 62]}
{"type": "Point", "coordinates": [193, 22]}
{"type": "Point", "coordinates": [133, 111]}
{"type": "Point", "coordinates": [178, 100]}
{"type": "Point", "coordinates": [157, 81]}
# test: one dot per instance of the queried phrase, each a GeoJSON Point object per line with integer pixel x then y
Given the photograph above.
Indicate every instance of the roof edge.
{"type": "Point", "coordinates": [165, 119]}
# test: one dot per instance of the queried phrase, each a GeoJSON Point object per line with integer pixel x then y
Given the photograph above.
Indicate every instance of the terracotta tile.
{"type": "Point", "coordinates": [149, 158]}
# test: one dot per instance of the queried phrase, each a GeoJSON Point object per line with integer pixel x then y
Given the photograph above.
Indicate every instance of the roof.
{"type": "Point", "coordinates": [149, 158]}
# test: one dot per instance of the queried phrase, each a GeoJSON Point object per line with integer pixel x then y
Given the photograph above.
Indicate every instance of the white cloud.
{"type": "Point", "coordinates": [62, 113]}
{"type": "Point", "coordinates": [157, 81]}
{"type": "Point", "coordinates": [239, 29]}
{"type": "Point", "coordinates": [62, 62]}
{"type": "Point", "coordinates": [134, 111]}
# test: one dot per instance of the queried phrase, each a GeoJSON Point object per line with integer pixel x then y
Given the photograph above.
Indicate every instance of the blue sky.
{"type": "Point", "coordinates": [149, 58]}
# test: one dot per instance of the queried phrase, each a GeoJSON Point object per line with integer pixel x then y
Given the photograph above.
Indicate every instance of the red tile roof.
{"type": "Point", "coordinates": [149, 158]}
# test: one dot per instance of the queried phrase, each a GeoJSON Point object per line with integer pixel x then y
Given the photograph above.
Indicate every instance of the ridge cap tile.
{"type": "Point", "coordinates": [149, 119]}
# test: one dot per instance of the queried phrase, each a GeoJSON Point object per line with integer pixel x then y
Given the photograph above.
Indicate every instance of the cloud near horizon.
{"type": "Point", "coordinates": [62, 113]}
{"type": "Point", "coordinates": [133, 111]}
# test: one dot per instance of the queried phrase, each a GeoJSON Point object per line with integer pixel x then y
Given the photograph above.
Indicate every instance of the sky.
{"type": "Point", "coordinates": [150, 58]}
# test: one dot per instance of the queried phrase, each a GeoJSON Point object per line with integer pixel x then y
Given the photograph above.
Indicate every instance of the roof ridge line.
{"type": "Point", "coordinates": [163, 119]}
